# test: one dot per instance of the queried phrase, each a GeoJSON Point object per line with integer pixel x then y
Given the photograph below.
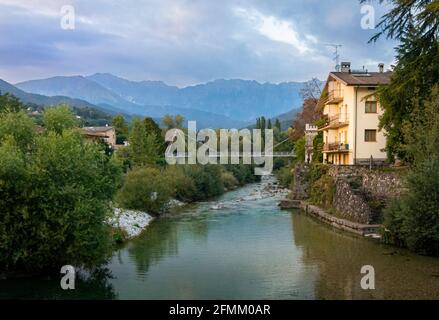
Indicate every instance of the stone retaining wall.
{"type": "Point", "coordinates": [377, 182]}
{"type": "Point", "coordinates": [350, 205]}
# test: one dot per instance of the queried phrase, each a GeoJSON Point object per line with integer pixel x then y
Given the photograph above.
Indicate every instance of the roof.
{"type": "Point", "coordinates": [97, 129]}
{"type": "Point", "coordinates": [369, 79]}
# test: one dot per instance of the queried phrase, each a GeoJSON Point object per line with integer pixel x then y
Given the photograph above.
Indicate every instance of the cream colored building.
{"type": "Point", "coordinates": [351, 134]}
{"type": "Point", "coordinates": [107, 134]}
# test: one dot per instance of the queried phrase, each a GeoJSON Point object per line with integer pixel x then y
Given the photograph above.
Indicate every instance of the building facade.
{"type": "Point", "coordinates": [106, 134]}
{"type": "Point", "coordinates": [351, 110]}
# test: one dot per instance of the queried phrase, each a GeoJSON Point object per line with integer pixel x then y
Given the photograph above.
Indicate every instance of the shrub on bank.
{"type": "Point", "coordinates": [54, 200]}
{"type": "Point", "coordinates": [183, 186]}
{"type": "Point", "coordinates": [145, 189]}
{"type": "Point", "coordinates": [285, 177]}
{"type": "Point", "coordinates": [229, 180]}
{"type": "Point", "coordinates": [207, 181]}
{"type": "Point", "coordinates": [322, 191]}
{"type": "Point", "coordinates": [413, 220]}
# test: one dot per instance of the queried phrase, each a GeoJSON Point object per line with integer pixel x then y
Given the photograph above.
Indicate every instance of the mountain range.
{"type": "Point", "coordinates": [219, 103]}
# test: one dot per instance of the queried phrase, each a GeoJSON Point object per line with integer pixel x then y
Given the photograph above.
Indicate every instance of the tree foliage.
{"type": "Point", "coordinates": [53, 202]}
{"type": "Point", "coordinates": [413, 220]}
{"type": "Point", "coordinates": [143, 149]}
{"type": "Point", "coordinates": [121, 128]}
{"type": "Point", "coordinates": [415, 24]}
{"type": "Point", "coordinates": [145, 189]}
{"type": "Point", "coordinates": [60, 118]}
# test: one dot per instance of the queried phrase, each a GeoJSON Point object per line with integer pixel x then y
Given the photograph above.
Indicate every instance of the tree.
{"type": "Point", "coordinates": [54, 201]}
{"type": "Point", "coordinates": [413, 219]}
{"type": "Point", "coordinates": [178, 121]}
{"type": "Point", "coordinates": [414, 23]}
{"type": "Point", "coordinates": [153, 128]}
{"type": "Point", "coordinates": [312, 90]}
{"type": "Point", "coordinates": [10, 103]}
{"type": "Point", "coordinates": [145, 189]}
{"type": "Point", "coordinates": [258, 123]}
{"type": "Point", "coordinates": [18, 126]}
{"type": "Point", "coordinates": [278, 125]}
{"type": "Point", "coordinates": [60, 118]}
{"type": "Point", "coordinates": [269, 124]}
{"type": "Point", "coordinates": [121, 128]}
{"type": "Point", "coordinates": [143, 146]}
{"type": "Point", "coordinates": [168, 121]}
{"type": "Point", "coordinates": [263, 124]}
{"type": "Point", "coordinates": [172, 123]}
{"type": "Point", "coordinates": [310, 113]}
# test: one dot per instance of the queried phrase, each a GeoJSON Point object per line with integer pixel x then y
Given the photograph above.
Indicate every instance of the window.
{"type": "Point", "coordinates": [370, 135]}
{"type": "Point", "coordinates": [371, 107]}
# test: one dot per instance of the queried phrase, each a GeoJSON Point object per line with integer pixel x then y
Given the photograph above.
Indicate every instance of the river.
{"type": "Point", "coordinates": [242, 246]}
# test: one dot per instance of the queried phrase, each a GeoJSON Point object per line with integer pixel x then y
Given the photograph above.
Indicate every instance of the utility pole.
{"type": "Point", "coordinates": [336, 55]}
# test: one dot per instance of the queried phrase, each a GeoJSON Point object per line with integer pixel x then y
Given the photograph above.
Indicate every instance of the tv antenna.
{"type": "Point", "coordinates": [336, 55]}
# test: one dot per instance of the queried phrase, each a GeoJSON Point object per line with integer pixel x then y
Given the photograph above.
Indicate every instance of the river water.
{"type": "Point", "coordinates": [242, 246]}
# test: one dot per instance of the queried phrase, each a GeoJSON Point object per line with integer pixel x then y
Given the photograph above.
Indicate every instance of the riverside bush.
{"type": "Point", "coordinates": [207, 181]}
{"type": "Point", "coordinates": [413, 220]}
{"type": "Point", "coordinates": [229, 180]}
{"type": "Point", "coordinates": [54, 200]}
{"type": "Point", "coordinates": [145, 189]}
{"type": "Point", "coordinates": [285, 177]}
{"type": "Point", "coordinates": [322, 191]}
{"type": "Point", "coordinates": [183, 186]}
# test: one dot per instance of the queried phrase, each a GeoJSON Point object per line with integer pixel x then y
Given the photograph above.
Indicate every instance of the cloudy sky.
{"type": "Point", "coordinates": [185, 42]}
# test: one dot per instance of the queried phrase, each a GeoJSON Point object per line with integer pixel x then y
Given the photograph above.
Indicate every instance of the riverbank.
{"type": "Point", "coordinates": [366, 230]}
{"type": "Point", "coordinates": [128, 224]}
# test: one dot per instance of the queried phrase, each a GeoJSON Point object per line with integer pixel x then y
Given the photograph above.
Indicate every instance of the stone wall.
{"type": "Point", "coordinates": [378, 183]}
{"type": "Point", "coordinates": [349, 204]}
{"type": "Point", "coordinates": [300, 182]}
{"type": "Point", "coordinates": [360, 193]}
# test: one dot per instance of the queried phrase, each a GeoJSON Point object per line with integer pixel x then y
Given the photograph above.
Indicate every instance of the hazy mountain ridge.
{"type": "Point", "coordinates": [237, 99]}
{"type": "Point", "coordinates": [219, 103]}
{"type": "Point", "coordinates": [38, 99]}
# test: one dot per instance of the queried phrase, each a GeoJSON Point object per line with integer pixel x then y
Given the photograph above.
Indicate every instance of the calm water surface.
{"type": "Point", "coordinates": [243, 247]}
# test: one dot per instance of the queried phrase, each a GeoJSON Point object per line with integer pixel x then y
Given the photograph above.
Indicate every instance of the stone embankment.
{"type": "Point", "coordinates": [359, 196]}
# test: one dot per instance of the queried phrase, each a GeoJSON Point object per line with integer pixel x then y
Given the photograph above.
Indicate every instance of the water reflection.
{"type": "Point", "coordinates": [339, 257]}
{"type": "Point", "coordinates": [92, 285]}
{"type": "Point", "coordinates": [245, 248]}
{"type": "Point", "coordinates": [159, 240]}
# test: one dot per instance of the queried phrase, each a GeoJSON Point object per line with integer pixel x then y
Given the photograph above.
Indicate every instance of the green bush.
{"type": "Point", "coordinates": [413, 220]}
{"type": "Point", "coordinates": [244, 173]}
{"type": "Point", "coordinates": [207, 180]}
{"type": "Point", "coordinates": [322, 191]}
{"type": "Point", "coordinates": [59, 118]}
{"type": "Point", "coordinates": [316, 171]}
{"type": "Point", "coordinates": [145, 189]}
{"type": "Point", "coordinates": [285, 177]}
{"type": "Point", "coordinates": [54, 201]}
{"type": "Point", "coordinates": [183, 186]}
{"type": "Point", "coordinates": [229, 180]}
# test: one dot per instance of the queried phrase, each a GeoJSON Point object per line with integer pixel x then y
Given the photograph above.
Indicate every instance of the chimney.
{"type": "Point", "coordinates": [381, 67]}
{"type": "Point", "coordinates": [345, 67]}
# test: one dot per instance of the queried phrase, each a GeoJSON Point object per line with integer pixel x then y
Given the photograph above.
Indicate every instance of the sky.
{"type": "Point", "coordinates": [185, 42]}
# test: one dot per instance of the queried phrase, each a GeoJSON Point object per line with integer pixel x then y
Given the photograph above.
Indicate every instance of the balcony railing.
{"type": "Point", "coordinates": [335, 121]}
{"type": "Point", "coordinates": [336, 146]}
{"type": "Point", "coordinates": [334, 96]}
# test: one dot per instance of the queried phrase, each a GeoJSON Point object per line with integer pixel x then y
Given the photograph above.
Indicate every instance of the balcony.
{"type": "Point", "coordinates": [335, 121]}
{"type": "Point", "coordinates": [334, 96]}
{"type": "Point", "coordinates": [336, 147]}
